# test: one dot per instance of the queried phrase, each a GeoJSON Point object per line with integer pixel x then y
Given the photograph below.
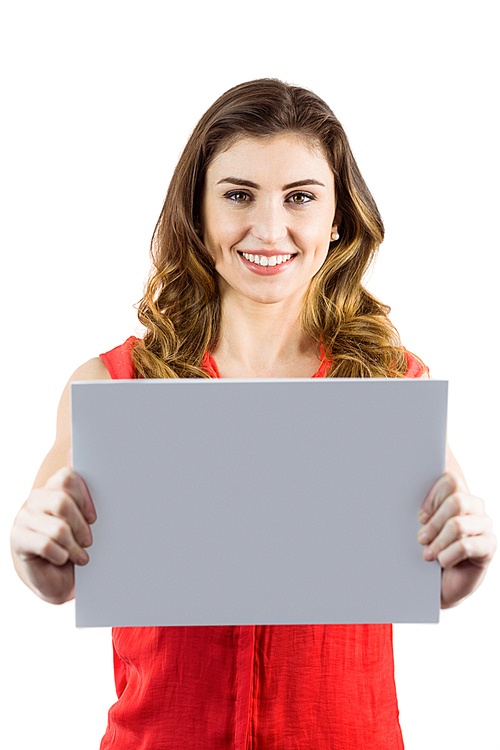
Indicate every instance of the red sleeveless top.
{"type": "Point", "coordinates": [252, 687]}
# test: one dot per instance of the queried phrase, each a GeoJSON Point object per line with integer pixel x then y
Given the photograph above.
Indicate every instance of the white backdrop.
{"type": "Point", "coordinates": [99, 100]}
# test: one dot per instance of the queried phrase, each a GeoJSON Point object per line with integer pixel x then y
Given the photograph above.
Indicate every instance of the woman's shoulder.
{"type": "Point", "coordinates": [93, 369]}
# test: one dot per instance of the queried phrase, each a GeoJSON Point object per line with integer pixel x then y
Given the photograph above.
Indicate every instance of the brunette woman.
{"type": "Point", "coordinates": [257, 265]}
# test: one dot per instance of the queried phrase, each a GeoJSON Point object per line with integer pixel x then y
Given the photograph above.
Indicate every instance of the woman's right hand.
{"type": "Point", "coordinates": [51, 532]}
{"type": "Point", "coordinates": [52, 528]}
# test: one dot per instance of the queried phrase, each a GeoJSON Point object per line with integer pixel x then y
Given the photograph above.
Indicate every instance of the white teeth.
{"type": "Point", "coordinates": [263, 260]}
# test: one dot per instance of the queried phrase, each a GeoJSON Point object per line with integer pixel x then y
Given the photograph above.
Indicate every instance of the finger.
{"type": "Point", "coordinates": [35, 544]}
{"type": "Point", "coordinates": [455, 505]}
{"type": "Point", "coordinates": [62, 505]}
{"type": "Point", "coordinates": [59, 531]}
{"type": "Point", "coordinates": [444, 486]}
{"type": "Point", "coordinates": [73, 483]}
{"type": "Point", "coordinates": [479, 549]}
{"type": "Point", "coordinates": [456, 528]}
{"type": "Point", "coordinates": [50, 541]}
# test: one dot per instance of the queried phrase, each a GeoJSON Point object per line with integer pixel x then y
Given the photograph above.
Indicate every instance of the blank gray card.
{"type": "Point", "coordinates": [236, 502]}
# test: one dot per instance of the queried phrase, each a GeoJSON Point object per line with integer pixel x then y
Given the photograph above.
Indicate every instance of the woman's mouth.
{"type": "Point", "coordinates": [267, 265]}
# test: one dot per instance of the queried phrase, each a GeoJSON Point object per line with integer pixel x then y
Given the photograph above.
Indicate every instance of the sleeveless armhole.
{"type": "Point", "coordinates": [119, 362]}
{"type": "Point", "coordinates": [415, 368]}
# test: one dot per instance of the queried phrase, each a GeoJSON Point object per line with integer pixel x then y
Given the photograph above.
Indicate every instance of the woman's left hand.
{"type": "Point", "coordinates": [458, 534]}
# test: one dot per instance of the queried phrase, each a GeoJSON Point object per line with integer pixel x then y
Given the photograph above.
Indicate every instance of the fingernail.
{"type": "Point", "coordinates": [423, 537]}
{"type": "Point", "coordinates": [428, 554]}
{"type": "Point", "coordinates": [423, 516]}
{"type": "Point", "coordinates": [82, 559]}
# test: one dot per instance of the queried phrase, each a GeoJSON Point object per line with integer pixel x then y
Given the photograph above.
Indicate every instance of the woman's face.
{"type": "Point", "coordinates": [267, 212]}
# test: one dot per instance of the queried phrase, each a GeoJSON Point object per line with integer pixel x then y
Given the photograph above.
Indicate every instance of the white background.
{"type": "Point", "coordinates": [98, 101]}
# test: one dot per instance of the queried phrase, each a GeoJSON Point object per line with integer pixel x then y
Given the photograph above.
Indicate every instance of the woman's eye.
{"type": "Point", "coordinates": [237, 197]}
{"type": "Point", "coordinates": [301, 198]}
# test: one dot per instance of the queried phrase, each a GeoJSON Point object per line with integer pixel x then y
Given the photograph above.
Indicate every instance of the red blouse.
{"type": "Point", "coordinates": [258, 687]}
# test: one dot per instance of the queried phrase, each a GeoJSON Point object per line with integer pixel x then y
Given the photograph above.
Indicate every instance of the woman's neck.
{"type": "Point", "coordinates": [258, 340]}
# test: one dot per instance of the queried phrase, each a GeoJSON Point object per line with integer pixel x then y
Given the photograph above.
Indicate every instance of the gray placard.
{"type": "Point", "coordinates": [233, 502]}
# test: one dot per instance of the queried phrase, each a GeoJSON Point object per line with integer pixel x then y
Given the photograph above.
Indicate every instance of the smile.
{"type": "Point", "coordinates": [263, 260]}
{"type": "Point", "coordinates": [264, 265]}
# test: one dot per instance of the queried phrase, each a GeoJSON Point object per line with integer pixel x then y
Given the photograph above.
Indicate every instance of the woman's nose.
{"type": "Point", "coordinates": [269, 222]}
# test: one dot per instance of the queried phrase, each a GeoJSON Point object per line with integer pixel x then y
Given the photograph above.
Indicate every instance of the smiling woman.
{"type": "Point", "coordinates": [267, 243]}
{"type": "Point", "coordinates": [266, 139]}
{"type": "Point", "coordinates": [258, 259]}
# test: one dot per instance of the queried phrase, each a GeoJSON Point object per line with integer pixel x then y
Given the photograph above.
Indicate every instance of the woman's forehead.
{"type": "Point", "coordinates": [252, 152]}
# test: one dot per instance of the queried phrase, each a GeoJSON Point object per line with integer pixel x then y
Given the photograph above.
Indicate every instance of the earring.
{"type": "Point", "coordinates": [334, 236]}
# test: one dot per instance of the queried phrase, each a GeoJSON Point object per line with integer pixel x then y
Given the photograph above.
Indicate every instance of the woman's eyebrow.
{"type": "Point", "coordinates": [248, 183]}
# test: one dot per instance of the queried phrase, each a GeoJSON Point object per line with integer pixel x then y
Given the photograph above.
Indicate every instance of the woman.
{"type": "Point", "coordinates": [258, 258]}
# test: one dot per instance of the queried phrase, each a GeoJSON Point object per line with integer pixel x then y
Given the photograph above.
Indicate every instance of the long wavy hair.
{"type": "Point", "coordinates": [180, 308]}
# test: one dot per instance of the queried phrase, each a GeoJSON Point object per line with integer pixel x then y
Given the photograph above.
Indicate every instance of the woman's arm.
{"type": "Point", "coordinates": [457, 533]}
{"type": "Point", "coordinates": [52, 528]}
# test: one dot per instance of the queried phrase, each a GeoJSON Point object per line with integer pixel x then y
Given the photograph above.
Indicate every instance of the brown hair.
{"type": "Point", "coordinates": [181, 306]}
